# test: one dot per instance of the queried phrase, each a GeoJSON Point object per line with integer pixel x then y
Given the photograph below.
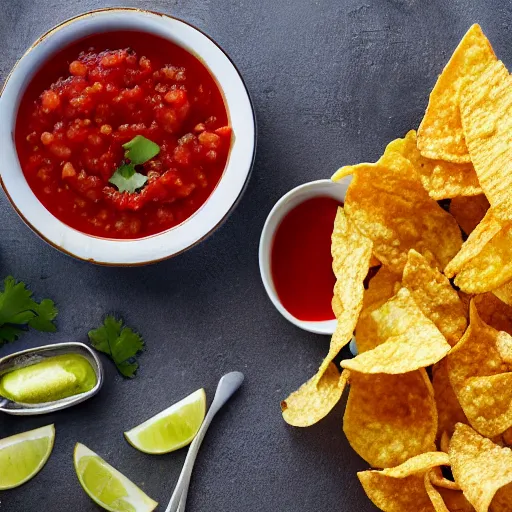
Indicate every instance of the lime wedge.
{"type": "Point", "coordinates": [171, 429]}
{"type": "Point", "coordinates": [106, 486]}
{"type": "Point", "coordinates": [22, 456]}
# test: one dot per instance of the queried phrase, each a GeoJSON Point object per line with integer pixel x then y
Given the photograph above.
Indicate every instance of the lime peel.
{"type": "Point", "coordinates": [171, 429]}
{"type": "Point", "coordinates": [23, 455]}
{"type": "Point", "coordinates": [106, 486]}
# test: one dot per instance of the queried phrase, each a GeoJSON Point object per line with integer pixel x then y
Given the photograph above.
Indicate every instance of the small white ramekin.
{"type": "Point", "coordinates": [289, 201]}
{"type": "Point", "coordinates": [162, 245]}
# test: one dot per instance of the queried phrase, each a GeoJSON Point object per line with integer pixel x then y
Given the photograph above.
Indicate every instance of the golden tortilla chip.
{"type": "Point", "coordinates": [440, 135]}
{"type": "Point", "coordinates": [443, 180]}
{"type": "Point", "coordinates": [436, 478]}
{"type": "Point", "coordinates": [471, 364]}
{"type": "Point", "coordinates": [502, 501]}
{"type": "Point", "coordinates": [388, 204]}
{"type": "Point", "coordinates": [373, 428]}
{"type": "Point", "coordinates": [466, 299]}
{"type": "Point", "coordinates": [434, 495]}
{"type": "Point", "coordinates": [314, 399]}
{"type": "Point", "coordinates": [455, 501]}
{"type": "Point", "coordinates": [484, 261]}
{"type": "Point", "coordinates": [504, 346]}
{"type": "Point", "coordinates": [488, 403]}
{"type": "Point", "coordinates": [491, 268]}
{"type": "Point", "coordinates": [374, 262]}
{"type": "Point", "coordinates": [469, 211]}
{"type": "Point", "coordinates": [494, 312]}
{"type": "Point", "coordinates": [435, 296]}
{"type": "Point", "coordinates": [351, 252]}
{"type": "Point", "coordinates": [381, 288]}
{"type": "Point", "coordinates": [412, 341]}
{"type": "Point", "coordinates": [479, 466]}
{"type": "Point", "coordinates": [504, 293]}
{"type": "Point", "coordinates": [448, 408]}
{"type": "Point", "coordinates": [402, 489]}
{"type": "Point", "coordinates": [485, 106]}
{"type": "Point", "coordinates": [444, 442]}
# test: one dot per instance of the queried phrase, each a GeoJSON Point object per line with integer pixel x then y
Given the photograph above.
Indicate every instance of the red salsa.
{"type": "Point", "coordinates": [301, 259]}
{"type": "Point", "coordinates": [100, 93]}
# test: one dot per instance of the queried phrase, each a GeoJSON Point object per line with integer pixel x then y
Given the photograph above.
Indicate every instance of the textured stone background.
{"type": "Point", "coordinates": [332, 81]}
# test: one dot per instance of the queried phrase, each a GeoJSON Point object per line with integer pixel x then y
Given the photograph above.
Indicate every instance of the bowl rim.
{"type": "Point", "coordinates": [282, 207]}
{"type": "Point", "coordinates": [125, 242]}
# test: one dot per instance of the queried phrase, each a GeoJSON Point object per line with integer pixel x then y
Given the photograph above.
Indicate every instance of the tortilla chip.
{"type": "Point", "coordinates": [374, 262]}
{"type": "Point", "coordinates": [440, 135]}
{"type": "Point", "coordinates": [412, 341]}
{"type": "Point", "coordinates": [491, 267]}
{"type": "Point", "coordinates": [389, 205]}
{"type": "Point", "coordinates": [373, 428]}
{"type": "Point", "coordinates": [507, 437]}
{"type": "Point", "coordinates": [435, 296]}
{"type": "Point", "coordinates": [314, 399]}
{"type": "Point", "coordinates": [351, 252]}
{"type": "Point", "coordinates": [502, 501]}
{"type": "Point", "coordinates": [433, 494]}
{"type": "Point", "coordinates": [402, 489]}
{"type": "Point", "coordinates": [485, 105]}
{"type": "Point", "coordinates": [448, 408]}
{"type": "Point", "coordinates": [381, 288]}
{"type": "Point", "coordinates": [444, 442]}
{"type": "Point", "coordinates": [487, 402]}
{"type": "Point", "coordinates": [469, 211]}
{"type": "Point", "coordinates": [504, 293]}
{"type": "Point", "coordinates": [471, 364]}
{"type": "Point", "coordinates": [484, 261]}
{"type": "Point", "coordinates": [479, 466]}
{"type": "Point", "coordinates": [494, 312]}
{"type": "Point", "coordinates": [442, 180]}
{"type": "Point", "coordinates": [504, 346]}
{"type": "Point", "coordinates": [455, 501]}
{"type": "Point", "coordinates": [436, 478]}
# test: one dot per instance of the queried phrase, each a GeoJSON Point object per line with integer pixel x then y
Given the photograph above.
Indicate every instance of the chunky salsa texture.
{"type": "Point", "coordinates": [100, 93]}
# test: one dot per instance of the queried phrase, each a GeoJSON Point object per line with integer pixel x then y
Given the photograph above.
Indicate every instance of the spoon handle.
{"type": "Point", "coordinates": [225, 389]}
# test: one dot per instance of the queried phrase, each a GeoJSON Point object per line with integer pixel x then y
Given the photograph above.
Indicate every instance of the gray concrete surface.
{"type": "Point", "coordinates": [332, 82]}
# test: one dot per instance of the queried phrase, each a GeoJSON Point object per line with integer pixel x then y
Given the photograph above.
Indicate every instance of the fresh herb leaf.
{"type": "Point", "coordinates": [18, 310]}
{"type": "Point", "coordinates": [10, 333]}
{"type": "Point", "coordinates": [16, 305]}
{"type": "Point", "coordinates": [46, 312]}
{"type": "Point", "coordinates": [127, 179]}
{"type": "Point", "coordinates": [139, 151]}
{"type": "Point", "coordinates": [120, 343]}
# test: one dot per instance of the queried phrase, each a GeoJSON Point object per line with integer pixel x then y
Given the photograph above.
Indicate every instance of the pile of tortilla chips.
{"type": "Point", "coordinates": [430, 391]}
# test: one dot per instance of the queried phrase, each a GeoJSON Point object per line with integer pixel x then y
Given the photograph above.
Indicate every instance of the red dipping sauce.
{"type": "Point", "coordinates": [301, 262]}
{"type": "Point", "coordinates": [98, 94]}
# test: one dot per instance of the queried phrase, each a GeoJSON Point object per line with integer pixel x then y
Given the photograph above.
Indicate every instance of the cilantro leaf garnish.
{"type": "Point", "coordinates": [120, 343]}
{"type": "Point", "coordinates": [127, 179]}
{"type": "Point", "coordinates": [18, 311]}
{"type": "Point", "coordinates": [139, 151]}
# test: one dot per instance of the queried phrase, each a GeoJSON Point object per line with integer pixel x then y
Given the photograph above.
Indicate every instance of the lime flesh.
{"type": "Point", "coordinates": [108, 487]}
{"type": "Point", "coordinates": [171, 429]}
{"type": "Point", "coordinates": [22, 456]}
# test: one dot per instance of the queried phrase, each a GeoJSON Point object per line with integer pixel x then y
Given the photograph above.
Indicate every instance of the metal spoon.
{"type": "Point", "coordinates": [35, 355]}
{"type": "Point", "coordinates": [225, 389]}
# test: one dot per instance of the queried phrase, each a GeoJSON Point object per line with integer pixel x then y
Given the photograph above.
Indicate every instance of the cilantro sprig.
{"type": "Point", "coordinates": [19, 311]}
{"type": "Point", "coordinates": [139, 151]}
{"type": "Point", "coordinates": [120, 343]}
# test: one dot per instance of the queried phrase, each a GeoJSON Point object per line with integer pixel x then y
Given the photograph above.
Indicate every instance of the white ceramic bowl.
{"type": "Point", "coordinates": [289, 201]}
{"type": "Point", "coordinates": [165, 244]}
